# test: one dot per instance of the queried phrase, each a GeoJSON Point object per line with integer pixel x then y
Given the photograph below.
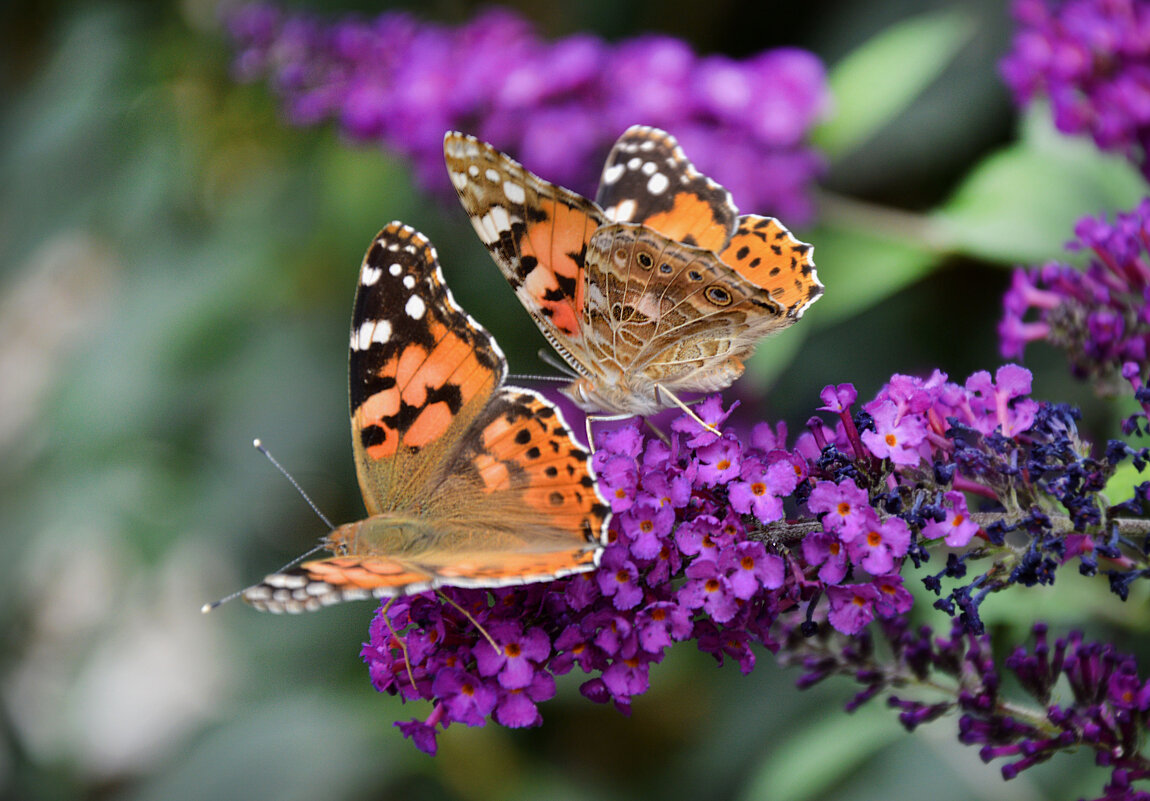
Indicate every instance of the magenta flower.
{"type": "Point", "coordinates": [514, 665]}
{"type": "Point", "coordinates": [844, 507]}
{"type": "Point", "coordinates": [852, 607]}
{"type": "Point", "coordinates": [1091, 58]}
{"type": "Point", "coordinates": [556, 105]}
{"type": "Point", "coordinates": [957, 527]}
{"type": "Point", "coordinates": [894, 438]}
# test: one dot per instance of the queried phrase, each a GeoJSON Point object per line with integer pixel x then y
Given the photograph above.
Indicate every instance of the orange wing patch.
{"type": "Point", "coordinates": [764, 252]}
{"type": "Point", "coordinates": [364, 572]}
{"type": "Point", "coordinates": [692, 221]}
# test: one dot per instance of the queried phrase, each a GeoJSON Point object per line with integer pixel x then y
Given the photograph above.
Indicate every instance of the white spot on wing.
{"type": "Point", "coordinates": [395, 269]}
{"type": "Point", "coordinates": [370, 275]}
{"type": "Point", "coordinates": [514, 192]}
{"type": "Point", "coordinates": [415, 307]}
{"type": "Point", "coordinates": [409, 281]}
{"type": "Point", "coordinates": [499, 218]}
{"type": "Point", "coordinates": [649, 167]}
{"type": "Point", "coordinates": [371, 331]}
{"type": "Point", "coordinates": [658, 184]}
{"type": "Point", "coordinates": [625, 211]}
{"type": "Point", "coordinates": [492, 175]}
{"type": "Point", "coordinates": [613, 173]}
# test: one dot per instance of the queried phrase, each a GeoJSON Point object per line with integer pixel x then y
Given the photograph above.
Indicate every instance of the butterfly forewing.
{"type": "Point", "coordinates": [648, 180]}
{"type": "Point", "coordinates": [537, 233]}
{"type": "Point", "coordinates": [420, 371]}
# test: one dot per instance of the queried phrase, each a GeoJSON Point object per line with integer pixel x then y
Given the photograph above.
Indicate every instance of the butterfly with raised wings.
{"type": "Point", "coordinates": [467, 482]}
{"type": "Point", "coordinates": [658, 286]}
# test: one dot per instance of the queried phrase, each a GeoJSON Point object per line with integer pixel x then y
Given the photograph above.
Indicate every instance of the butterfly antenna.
{"type": "Point", "coordinates": [259, 446]}
{"type": "Point", "coordinates": [559, 378]}
{"type": "Point", "coordinates": [209, 607]}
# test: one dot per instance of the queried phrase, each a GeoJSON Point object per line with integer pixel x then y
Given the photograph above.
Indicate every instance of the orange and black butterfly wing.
{"type": "Point", "coordinates": [537, 234]}
{"type": "Point", "coordinates": [765, 253]}
{"type": "Point", "coordinates": [467, 483]}
{"type": "Point", "coordinates": [648, 180]}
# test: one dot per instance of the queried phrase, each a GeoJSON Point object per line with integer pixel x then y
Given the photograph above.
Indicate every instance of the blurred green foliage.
{"type": "Point", "coordinates": [176, 272]}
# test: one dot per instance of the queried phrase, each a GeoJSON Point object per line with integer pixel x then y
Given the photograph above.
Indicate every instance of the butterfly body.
{"type": "Point", "coordinates": [467, 482]}
{"type": "Point", "coordinates": [656, 287]}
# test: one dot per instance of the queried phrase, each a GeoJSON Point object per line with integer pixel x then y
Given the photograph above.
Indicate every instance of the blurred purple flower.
{"type": "Point", "coordinates": [1099, 316]}
{"type": "Point", "coordinates": [1092, 59]}
{"type": "Point", "coordinates": [556, 105]}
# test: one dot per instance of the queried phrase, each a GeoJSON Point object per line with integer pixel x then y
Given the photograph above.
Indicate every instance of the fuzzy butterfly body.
{"type": "Point", "coordinates": [658, 286]}
{"type": "Point", "coordinates": [467, 482]}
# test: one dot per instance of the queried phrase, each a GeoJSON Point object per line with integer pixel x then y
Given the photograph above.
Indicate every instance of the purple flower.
{"type": "Point", "coordinates": [514, 664]}
{"type": "Point", "coordinates": [516, 708]}
{"type": "Point", "coordinates": [646, 526]}
{"type": "Point", "coordinates": [467, 698]}
{"type": "Point", "coordinates": [709, 588]}
{"type": "Point", "coordinates": [749, 568]}
{"type": "Point", "coordinates": [956, 527]}
{"type": "Point", "coordinates": [893, 596]}
{"type": "Point", "coordinates": [618, 579]}
{"type": "Point", "coordinates": [829, 553]}
{"type": "Point", "coordinates": [761, 489]}
{"type": "Point", "coordinates": [852, 606]}
{"type": "Point", "coordinates": [1092, 59]}
{"type": "Point", "coordinates": [879, 544]}
{"type": "Point", "coordinates": [720, 461]}
{"type": "Point", "coordinates": [844, 507]}
{"type": "Point", "coordinates": [893, 438]}
{"type": "Point", "coordinates": [1099, 316]}
{"type": "Point", "coordinates": [557, 106]}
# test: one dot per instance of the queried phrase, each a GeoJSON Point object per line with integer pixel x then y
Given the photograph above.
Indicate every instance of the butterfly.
{"type": "Point", "coordinates": [657, 286]}
{"type": "Point", "coordinates": [467, 482]}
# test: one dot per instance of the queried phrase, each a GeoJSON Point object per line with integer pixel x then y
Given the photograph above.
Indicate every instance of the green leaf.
{"type": "Point", "coordinates": [861, 268]}
{"type": "Point", "coordinates": [1020, 204]}
{"type": "Point", "coordinates": [1121, 485]}
{"type": "Point", "coordinates": [812, 761]}
{"type": "Point", "coordinates": [872, 85]}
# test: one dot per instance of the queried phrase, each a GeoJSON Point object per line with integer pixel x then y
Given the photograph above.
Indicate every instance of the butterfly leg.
{"type": "Point", "coordinates": [601, 418]}
{"type": "Point", "coordinates": [402, 645]}
{"type": "Point", "coordinates": [474, 622]}
{"type": "Point", "coordinates": [661, 390]}
{"type": "Point", "coordinates": [658, 433]}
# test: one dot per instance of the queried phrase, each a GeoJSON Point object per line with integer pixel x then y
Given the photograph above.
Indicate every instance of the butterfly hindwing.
{"type": "Point", "coordinates": [765, 253]}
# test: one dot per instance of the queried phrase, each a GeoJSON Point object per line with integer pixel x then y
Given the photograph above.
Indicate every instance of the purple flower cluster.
{"type": "Point", "coordinates": [700, 549]}
{"type": "Point", "coordinates": [1100, 315]}
{"type": "Point", "coordinates": [1107, 709]}
{"type": "Point", "coordinates": [557, 106]}
{"type": "Point", "coordinates": [1092, 59]}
